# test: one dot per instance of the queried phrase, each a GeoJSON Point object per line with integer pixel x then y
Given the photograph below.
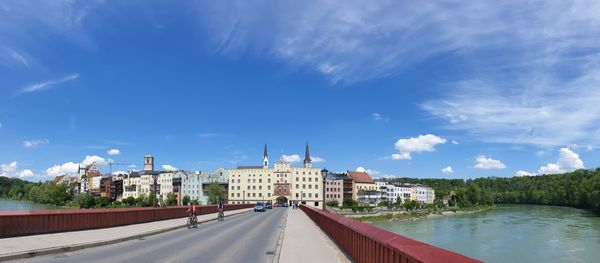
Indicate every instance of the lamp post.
{"type": "Point", "coordinates": [324, 173]}
{"type": "Point", "coordinates": [154, 175]}
{"type": "Point", "coordinates": [244, 196]}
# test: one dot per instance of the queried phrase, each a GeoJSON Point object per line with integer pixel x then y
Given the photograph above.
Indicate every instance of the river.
{"type": "Point", "coordinates": [7, 204]}
{"type": "Point", "coordinates": [512, 233]}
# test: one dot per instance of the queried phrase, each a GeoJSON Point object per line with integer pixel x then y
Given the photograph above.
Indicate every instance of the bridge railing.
{"type": "Point", "coordinates": [367, 243]}
{"type": "Point", "coordinates": [21, 223]}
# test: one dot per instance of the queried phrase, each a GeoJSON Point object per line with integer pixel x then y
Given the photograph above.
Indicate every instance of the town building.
{"type": "Point", "coordinates": [281, 183]}
{"type": "Point", "coordinates": [338, 187]}
{"type": "Point", "coordinates": [364, 189]}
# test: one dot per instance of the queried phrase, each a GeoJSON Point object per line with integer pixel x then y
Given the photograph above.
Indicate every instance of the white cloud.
{"type": "Point", "coordinates": [369, 171]}
{"type": "Point", "coordinates": [567, 161]}
{"type": "Point", "coordinates": [377, 116]}
{"type": "Point", "coordinates": [10, 170]}
{"type": "Point", "coordinates": [294, 158]}
{"type": "Point", "coordinates": [483, 162]}
{"type": "Point", "coordinates": [26, 173]}
{"type": "Point", "coordinates": [113, 152]}
{"type": "Point", "coordinates": [89, 159]}
{"type": "Point", "coordinates": [448, 170]}
{"type": "Point", "coordinates": [69, 168]}
{"type": "Point", "coordinates": [523, 173]}
{"type": "Point", "coordinates": [316, 159]}
{"type": "Point", "coordinates": [169, 168]}
{"type": "Point", "coordinates": [35, 142]}
{"type": "Point", "coordinates": [47, 84]}
{"type": "Point", "coordinates": [454, 142]}
{"type": "Point", "coordinates": [422, 143]}
{"type": "Point", "coordinates": [401, 156]}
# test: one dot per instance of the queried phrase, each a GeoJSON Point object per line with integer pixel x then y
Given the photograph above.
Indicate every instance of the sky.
{"type": "Point", "coordinates": [443, 89]}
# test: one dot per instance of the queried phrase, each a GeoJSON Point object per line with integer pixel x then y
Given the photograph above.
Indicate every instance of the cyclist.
{"type": "Point", "coordinates": [221, 208]}
{"type": "Point", "coordinates": [192, 213]}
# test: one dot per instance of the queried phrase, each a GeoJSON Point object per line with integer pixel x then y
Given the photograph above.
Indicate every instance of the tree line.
{"type": "Point", "coordinates": [580, 189]}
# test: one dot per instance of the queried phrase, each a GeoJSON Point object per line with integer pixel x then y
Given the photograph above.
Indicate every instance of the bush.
{"type": "Point", "coordinates": [332, 203]}
{"type": "Point", "coordinates": [185, 200]}
{"type": "Point", "coordinates": [349, 203]}
{"type": "Point", "coordinates": [129, 201]}
{"type": "Point", "coordinates": [85, 201]}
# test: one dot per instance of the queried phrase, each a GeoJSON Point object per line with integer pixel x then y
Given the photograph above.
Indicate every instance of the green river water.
{"type": "Point", "coordinates": [512, 233]}
{"type": "Point", "coordinates": [7, 204]}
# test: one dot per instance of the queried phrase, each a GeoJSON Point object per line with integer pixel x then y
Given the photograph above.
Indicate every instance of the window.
{"type": "Point", "coordinates": [248, 180]}
{"type": "Point", "coordinates": [316, 186]}
{"type": "Point", "coordinates": [238, 187]}
{"type": "Point", "coordinates": [259, 194]}
{"type": "Point", "coordinates": [268, 187]}
{"type": "Point", "coordinates": [303, 179]}
{"type": "Point", "coordinates": [260, 187]}
{"type": "Point", "coordinates": [254, 180]}
{"type": "Point", "coordinates": [248, 187]}
{"type": "Point", "coordinates": [238, 194]}
{"type": "Point", "coordinates": [238, 180]}
{"type": "Point", "coordinates": [316, 195]}
{"type": "Point", "coordinates": [309, 195]}
{"type": "Point", "coordinates": [253, 194]}
{"type": "Point", "coordinates": [297, 186]}
{"type": "Point", "coordinates": [297, 195]}
{"type": "Point", "coordinates": [297, 178]}
{"type": "Point", "coordinates": [303, 186]}
{"type": "Point", "coordinates": [310, 179]}
{"type": "Point", "coordinates": [268, 194]}
{"type": "Point", "coordinates": [254, 187]}
{"type": "Point", "coordinates": [310, 186]}
{"type": "Point", "coordinates": [260, 180]}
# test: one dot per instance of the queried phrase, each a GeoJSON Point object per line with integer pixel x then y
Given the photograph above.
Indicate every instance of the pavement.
{"type": "Point", "coordinates": [304, 241]}
{"type": "Point", "coordinates": [277, 235]}
{"type": "Point", "coordinates": [36, 245]}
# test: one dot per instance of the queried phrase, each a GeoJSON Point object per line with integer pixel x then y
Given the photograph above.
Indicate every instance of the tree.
{"type": "Point", "coordinates": [171, 199]}
{"type": "Point", "coordinates": [185, 200]}
{"type": "Point", "coordinates": [85, 201]}
{"type": "Point", "coordinates": [129, 201]}
{"type": "Point", "coordinates": [215, 193]}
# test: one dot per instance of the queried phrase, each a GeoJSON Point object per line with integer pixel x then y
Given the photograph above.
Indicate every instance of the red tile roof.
{"type": "Point", "coordinates": [359, 177]}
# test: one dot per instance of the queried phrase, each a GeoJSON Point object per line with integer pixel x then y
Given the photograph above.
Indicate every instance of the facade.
{"type": "Point", "coordinates": [338, 187]}
{"type": "Point", "coordinates": [364, 189]}
{"type": "Point", "coordinates": [422, 194]}
{"type": "Point", "coordinates": [280, 184]}
{"type": "Point", "coordinates": [195, 184]}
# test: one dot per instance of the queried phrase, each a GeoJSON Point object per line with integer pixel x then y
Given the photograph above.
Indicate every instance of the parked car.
{"type": "Point", "coordinates": [259, 207]}
{"type": "Point", "coordinates": [269, 205]}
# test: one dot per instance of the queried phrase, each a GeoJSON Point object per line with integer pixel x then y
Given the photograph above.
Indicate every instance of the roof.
{"type": "Point", "coordinates": [249, 167]}
{"type": "Point", "coordinates": [338, 176]}
{"type": "Point", "coordinates": [360, 177]}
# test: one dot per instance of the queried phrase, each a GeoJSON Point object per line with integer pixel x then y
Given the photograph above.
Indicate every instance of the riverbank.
{"type": "Point", "coordinates": [418, 215]}
{"type": "Point", "coordinates": [18, 205]}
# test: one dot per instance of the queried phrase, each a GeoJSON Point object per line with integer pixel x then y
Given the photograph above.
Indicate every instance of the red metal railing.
{"type": "Point", "coordinates": [366, 243]}
{"type": "Point", "coordinates": [21, 223]}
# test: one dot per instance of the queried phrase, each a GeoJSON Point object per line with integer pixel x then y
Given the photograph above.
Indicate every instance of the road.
{"type": "Point", "coordinates": [248, 237]}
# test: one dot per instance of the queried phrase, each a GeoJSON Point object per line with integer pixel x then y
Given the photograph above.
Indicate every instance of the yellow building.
{"type": "Point", "coordinates": [361, 182]}
{"type": "Point", "coordinates": [279, 184]}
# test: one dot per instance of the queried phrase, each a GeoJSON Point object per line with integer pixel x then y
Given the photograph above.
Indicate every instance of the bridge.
{"type": "Point", "coordinates": [277, 235]}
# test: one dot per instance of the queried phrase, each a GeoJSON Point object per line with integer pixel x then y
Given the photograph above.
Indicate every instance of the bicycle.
{"type": "Point", "coordinates": [221, 216]}
{"type": "Point", "coordinates": [192, 222]}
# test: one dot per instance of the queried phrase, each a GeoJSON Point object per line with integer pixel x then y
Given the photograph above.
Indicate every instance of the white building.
{"type": "Point", "coordinates": [280, 184]}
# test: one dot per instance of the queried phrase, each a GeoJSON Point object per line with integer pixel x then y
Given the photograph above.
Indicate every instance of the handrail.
{"type": "Point", "coordinates": [22, 223]}
{"type": "Point", "coordinates": [367, 243]}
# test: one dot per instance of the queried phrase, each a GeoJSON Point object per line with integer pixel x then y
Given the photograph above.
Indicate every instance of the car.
{"type": "Point", "coordinates": [259, 207]}
{"type": "Point", "coordinates": [269, 205]}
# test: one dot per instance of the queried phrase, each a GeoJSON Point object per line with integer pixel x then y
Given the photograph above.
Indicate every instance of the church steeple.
{"type": "Point", "coordinates": [266, 157]}
{"type": "Point", "coordinates": [307, 161]}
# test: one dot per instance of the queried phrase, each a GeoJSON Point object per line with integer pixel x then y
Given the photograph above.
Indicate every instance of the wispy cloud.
{"type": "Point", "coordinates": [46, 84]}
{"type": "Point", "coordinates": [35, 142]}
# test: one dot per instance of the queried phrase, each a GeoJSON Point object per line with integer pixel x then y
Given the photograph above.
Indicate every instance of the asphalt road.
{"type": "Point", "coordinates": [248, 237]}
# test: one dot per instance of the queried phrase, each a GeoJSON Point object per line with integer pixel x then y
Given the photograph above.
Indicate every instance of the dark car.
{"type": "Point", "coordinates": [269, 205]}
{"type": "Point", "coordinates": [259, 207]}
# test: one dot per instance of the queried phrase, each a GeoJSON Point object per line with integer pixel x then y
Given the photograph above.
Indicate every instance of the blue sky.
{"type": "Point", "coordinates": [434, 90]}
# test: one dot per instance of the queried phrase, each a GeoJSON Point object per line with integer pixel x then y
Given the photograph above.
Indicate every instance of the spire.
{"type": "Point", "coordinates": [266, 154]}
{"type": "Point", "coordinates": [307, 155]}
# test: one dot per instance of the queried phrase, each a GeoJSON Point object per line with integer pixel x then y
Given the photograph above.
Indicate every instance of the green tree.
{"type": "Point", "coordinates": [215, 192]}
{"type": "Point", "coordinates": [171, 199]}
{"type": "Point", "coordinates": [185, 200]}
{"type": "Point", "coordinates": [130, 200]}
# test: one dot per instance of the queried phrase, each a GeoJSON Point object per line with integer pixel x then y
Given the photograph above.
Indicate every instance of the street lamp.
{"type": "Point", "coordinates": [154, 175]}
{"type": "Point", "coordinates": [244, 196]}
{"type": "Point", "coordinates": [324, 173]}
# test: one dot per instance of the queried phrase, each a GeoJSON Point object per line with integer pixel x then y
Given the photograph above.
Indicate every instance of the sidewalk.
{"type": "Point", "coordinates": [303, 241]}
{"type": "Point", "coordinates": [27, 246]}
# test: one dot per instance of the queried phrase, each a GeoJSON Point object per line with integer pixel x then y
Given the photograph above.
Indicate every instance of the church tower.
{"type": "Point", "coordinates": [265, 158]}
{"type": "Point", "coordinates": [149, 163]}
{"type": "Point", "coordinates": [307, 161]}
